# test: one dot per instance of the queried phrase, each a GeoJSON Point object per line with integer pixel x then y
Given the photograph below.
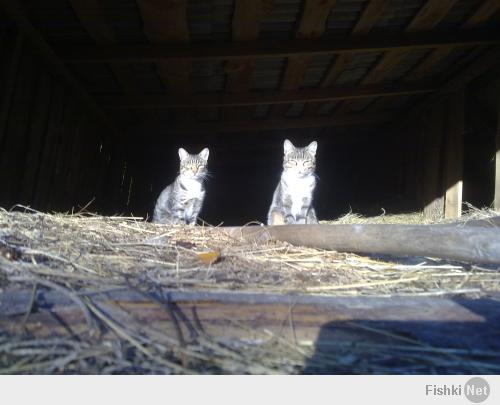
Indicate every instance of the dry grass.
{"type": "Point", "coordinates": [75, 254]}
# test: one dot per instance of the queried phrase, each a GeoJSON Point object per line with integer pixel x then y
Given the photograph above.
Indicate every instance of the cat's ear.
{"type": "Point", "coordinates": [311, 148]}
{"type": "Point", "coordinates": [204, 154]}
{"type": "Point", "coordinates": [288, 147]}
{"type": "Point", "coordinates": [183, 154]}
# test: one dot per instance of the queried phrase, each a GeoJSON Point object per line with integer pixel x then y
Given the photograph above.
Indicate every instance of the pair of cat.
{"type": "Point", "coordinates": [181, 201]}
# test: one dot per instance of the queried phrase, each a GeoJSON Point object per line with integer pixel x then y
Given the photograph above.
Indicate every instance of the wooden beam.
{"type": "Point", "coordinates": [151, 53]}
{"type": "Point", "coordinates": [312, 24]}
{"type": "Point", "coordinates": [454, 145]}
{"type": "Point", "coordinates": [55, 65]}
{"type": "Point", "coordinates": [263, 97]}
{"type": "Point", "coordinates": [452, 242]}
{"type": "Point", "coordinates": [430, 15]}
{"type": "Point", "coordinates": [483, 13]}
{"type": "Point", "coordinates": [496, 202]}
{"type": "Point", "coordinates": [93, 19]}
{"type": "Point", "coordinates": [279, 124]}
{"type": "Point", "coordinates": [432, 188]}
{"type": "Point", "coordinates": [370, 15]}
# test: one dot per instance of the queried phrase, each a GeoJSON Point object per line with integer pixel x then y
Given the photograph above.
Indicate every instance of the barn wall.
{"type": "Point", "coordinates": [55, 154]}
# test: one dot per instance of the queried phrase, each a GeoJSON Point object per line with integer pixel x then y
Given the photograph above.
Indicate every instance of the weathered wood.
{"type": "Point", "coordinates": [469, 244]}
{"type": "Point", "coordinates": [433, 136]}
{"type": "Point", "coordinates": [455, 127]}
{"type": "Point", "coordinates": [264, 97]}
{"type": "Point", "coordinates": [458, 322]}
{"type": "Point", "coordinates": [496, 202]}
{"type": "Point", "coordinates": [272, 48]}
{"type": "Point", "coordinates": [431, 14]}
{"type": "Point", "coordinates": [279, 124]}
{"type": "Point", "coordinates": [54, 63]}
{"type": "Point", "coordinates": [483, 13]}
{"type": "Point", "coordinates": [370, 15]}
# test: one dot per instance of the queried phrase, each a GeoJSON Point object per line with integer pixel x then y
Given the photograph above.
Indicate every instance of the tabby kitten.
{"type": "Point", "coordinates": [292, 199]}
{"type": "Point", "coordinates": [181, 201]}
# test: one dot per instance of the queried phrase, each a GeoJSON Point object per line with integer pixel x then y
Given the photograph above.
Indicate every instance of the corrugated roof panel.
{"type": "Point", "coordinates": [295, 110]}
{"type": "Point", "coordinates": [125, 20]}
{"type": "Point", "coordinates": [207, 76]}
{"type": "Point", "coordinates": [406, 65]}
{"type": "Point", "coordinates": [358, 67]}
{"type": "Point", "coordinates": [316, 70]}
{"type": "Point", "coordinates": [261, 111]}
{"type": "Point", "coordinates": [210, 19]}
{"type": "Point", "coordinates": [281, 21]}
{"type": "Point", "coordinates": [146, 77]}
{"type": "Point", "coordinates": [399, 14]}
{"type": "Point", "coordinates": [267, 73]}
{"type": "Point", "coordinates": [328, 107]}
{"type": "Point", "coordinates": [344, 15]}
{"type": "Point", "coordinates": [208, 113]}
{"type": "Point", "coordinates": [458, 14]}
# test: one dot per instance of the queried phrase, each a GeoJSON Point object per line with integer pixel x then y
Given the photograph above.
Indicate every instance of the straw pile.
{"type": "Point", "coordinates": [80, 254]}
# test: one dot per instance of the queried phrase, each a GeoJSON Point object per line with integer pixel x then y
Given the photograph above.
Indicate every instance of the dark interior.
{"type": "Point", "coordinates": [93, 109]}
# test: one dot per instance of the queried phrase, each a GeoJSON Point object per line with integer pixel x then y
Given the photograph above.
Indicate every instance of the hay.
{"type": "Point", "coordinates": [77, 254]}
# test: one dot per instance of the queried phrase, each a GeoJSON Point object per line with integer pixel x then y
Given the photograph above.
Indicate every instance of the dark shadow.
{"type": "Point", "coordinates": [411, 347]}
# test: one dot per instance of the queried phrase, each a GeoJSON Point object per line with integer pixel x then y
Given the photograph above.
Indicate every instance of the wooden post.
{"type": "Point", "coordinates": [496, 203]}
{"type": "Point", "coordinates": [454, 156]}
{"type": "Point", "coordinates": [432, 181]}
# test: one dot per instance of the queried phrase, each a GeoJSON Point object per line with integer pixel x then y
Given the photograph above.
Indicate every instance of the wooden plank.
{"type": "Point", "coordinates": [483, 13]}
{"type": "Point", "coordinates": [278, 48]}
{"type": "Point", "coordinates": [433, 135]}
{"type": "Point", "coordinates": [370, 15]}
{"type": "Point", "coordinates": [56, 66]}
{"type": "Point", "coordinates": [264, 97]}
{"type": "Point", "coordinates": [454, 155]}
{"type": "Point", "coordinates": [470, 244]}
{"type": "Point", "coordinates": [464, 324]}
{"type": "Point", "coordinates": [312, 24]}
{"type": "Point", "coordinates": [278, 124]}
{"type": "Point", "coordinates": [430, 15]}
{"type": "Point", "coordinates": [93, 19]}
{"type": "Point", "coordinates": [496, 202]}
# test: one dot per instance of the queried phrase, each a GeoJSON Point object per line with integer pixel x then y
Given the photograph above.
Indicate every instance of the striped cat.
{"type": "Point", "coordinates": [292, 199]}
{"type": "Point", "coordinates": [181, 201]}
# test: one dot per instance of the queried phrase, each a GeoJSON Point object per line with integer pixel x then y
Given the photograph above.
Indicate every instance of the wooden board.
{"type": "Point", "coordinates": [458, 323]}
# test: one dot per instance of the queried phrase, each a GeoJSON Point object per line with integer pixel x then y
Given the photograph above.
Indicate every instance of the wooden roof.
{"type": "Point", "coordinates": [257, 64]}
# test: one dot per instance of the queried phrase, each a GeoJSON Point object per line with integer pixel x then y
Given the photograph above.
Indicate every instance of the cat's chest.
{"type": "Point", "coordinates": [190, 189]}
{"type": "Point", "coordinates": [298, 187]}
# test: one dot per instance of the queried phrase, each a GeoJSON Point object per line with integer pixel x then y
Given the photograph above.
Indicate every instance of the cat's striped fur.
{"type": "Point", "coordinates": [292, 199]}
{"type": "Point", "coordinates": [181, 201]}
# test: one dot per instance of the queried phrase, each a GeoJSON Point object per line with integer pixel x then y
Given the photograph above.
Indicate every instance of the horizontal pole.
{"type": "Point", "coordinates": [279, 124]}
{"type": "Point", "coordinates": [464, 243]}
{"type": "Point", "coordinates": [155, 101]}
{"type": "Point", "coordinates": [149, 53]}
